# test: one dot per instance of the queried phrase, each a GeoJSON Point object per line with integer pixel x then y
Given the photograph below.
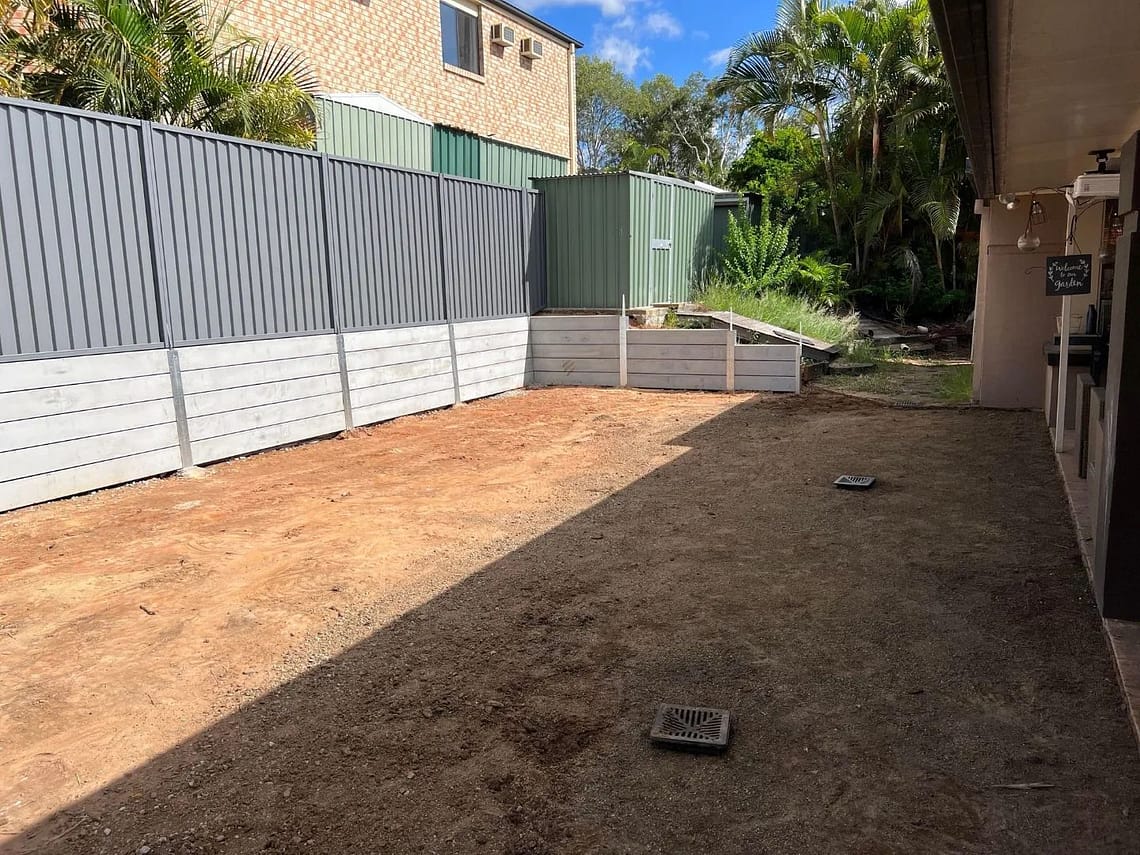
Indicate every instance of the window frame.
{"type": "Point", "coordinates": [475, 10]}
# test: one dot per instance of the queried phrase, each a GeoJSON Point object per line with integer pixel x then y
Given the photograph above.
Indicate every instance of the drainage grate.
{"type": "Point", "coordinates": [700, 728]}
{"type": "Point", "coordinates": [855, 482]}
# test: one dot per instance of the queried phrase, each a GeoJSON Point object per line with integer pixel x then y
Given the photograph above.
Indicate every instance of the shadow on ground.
{"type": "Point", "coordinates": [889, 656]}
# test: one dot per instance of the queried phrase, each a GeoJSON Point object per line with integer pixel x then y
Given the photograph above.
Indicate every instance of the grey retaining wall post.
{"type": "Point", "coordinates": [623, 346]}
{"type": "Point", "coordinates": [336, 312]}
{"type": "Point", "coordinates": [180, 420]}
{"type": "Point", "coordinates": [730, 358]}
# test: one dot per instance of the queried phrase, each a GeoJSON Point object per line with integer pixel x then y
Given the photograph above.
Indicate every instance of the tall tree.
{"type": "Point", "coordinates": [605, 100]}
{"type": "Point", "coordinates": [867, 79]}
{"type": "Point", "coordinates": [791, 69]}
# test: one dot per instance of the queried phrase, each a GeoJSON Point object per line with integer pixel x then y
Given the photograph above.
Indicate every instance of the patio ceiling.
{"type": "Point", "coordinates": [1040, 83]}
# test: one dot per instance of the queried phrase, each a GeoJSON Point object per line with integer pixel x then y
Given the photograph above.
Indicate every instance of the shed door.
{"type": "Point", "coordinates": [661, 207]}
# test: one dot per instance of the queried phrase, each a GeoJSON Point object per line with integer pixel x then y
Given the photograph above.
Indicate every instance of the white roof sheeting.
{"type": "Point", "coordinates": [376, 102]}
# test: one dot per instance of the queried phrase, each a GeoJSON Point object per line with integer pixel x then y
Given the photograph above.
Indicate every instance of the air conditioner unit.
{"type": "Point", "coordinates": [531, 48]}
{"type": "Point", "coordinates": [503, 35]}
{"type": "Point", "coordinates": [1097, 185]}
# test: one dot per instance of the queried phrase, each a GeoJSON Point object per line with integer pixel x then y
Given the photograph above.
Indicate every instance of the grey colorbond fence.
{"type": "Point", "coordinates": [118, 233]}
{"type": "Point", "coordinates": [76, 266]}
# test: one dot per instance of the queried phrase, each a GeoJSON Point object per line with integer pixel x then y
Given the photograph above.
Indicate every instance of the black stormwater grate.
{"type": "Point", "coordinates": [855, 482]}
{"type": "Point", "coordinates": [694, 728]}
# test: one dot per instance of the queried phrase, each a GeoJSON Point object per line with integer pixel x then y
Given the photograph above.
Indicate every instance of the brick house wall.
{"type": "Point", "coordinates": [395, 48]}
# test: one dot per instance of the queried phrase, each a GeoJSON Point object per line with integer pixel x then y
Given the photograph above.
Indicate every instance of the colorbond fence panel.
{"type": "Point", "coordinates": [534, 232]}
{"type": "Point", "coordinates": [241, 231]}
{"type": "Point", "coordinates": [483, 250]}
{"type": "Point", "coordinates": [72, 424]}
{"type": "Point", "coordinates": [76, 269]}
{"type": "Point", "coordinates": [245, 396]}
{"type": "Point", "coordinates": [397, 372]}
{"type": "Point", "coordinates": [385, 233]}
{"type": "Point", "coordinates": [575, 350]}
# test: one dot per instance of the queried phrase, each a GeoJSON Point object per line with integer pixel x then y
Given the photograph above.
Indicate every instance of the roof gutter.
{"type": "Point", "coordinates": [963, 36]}
{"type": "Point", "coordinates": [535, 22]}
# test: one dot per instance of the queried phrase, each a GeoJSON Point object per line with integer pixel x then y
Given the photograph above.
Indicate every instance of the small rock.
{"type": "Point", "coordinates": [107, 832]}
{"type": "Point", "coordinates": [144, 850]}
{"type": "Point", "coordinates": [409, 774]}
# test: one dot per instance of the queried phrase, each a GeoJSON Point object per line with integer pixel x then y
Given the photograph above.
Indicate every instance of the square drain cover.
{"type": "Point", "coordinates": [698, 728]}
{"type": "Point", "coordinates": [855, 482]}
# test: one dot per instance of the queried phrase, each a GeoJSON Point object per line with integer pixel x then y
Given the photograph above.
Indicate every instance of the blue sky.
{"type": "Point", "coordinates": [648, 37]}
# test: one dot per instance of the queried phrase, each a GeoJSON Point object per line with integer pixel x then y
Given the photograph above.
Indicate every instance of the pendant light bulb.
{"type": "Point", "coordinates": [1010, 201]}
{"type": "Point", "coordinates": [1028, 242]}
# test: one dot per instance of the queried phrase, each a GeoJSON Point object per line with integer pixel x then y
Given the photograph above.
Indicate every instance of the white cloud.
{"type": "Point", "coordinates": [626, 56]}
{"type": "Point", "coordinates": [700, 35]}
{"type": "Point", "coordinates": [609, 8]}
{"type": "Point", "coordinates": [719, 58]}
{"type": "Point", "coordinates": [661, 23]}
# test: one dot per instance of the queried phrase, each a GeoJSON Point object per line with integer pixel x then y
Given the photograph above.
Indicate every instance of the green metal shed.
{"type": "Point", "coordinates": [647, 238]}
{"type": "Point", "coordinates": [368, 126]}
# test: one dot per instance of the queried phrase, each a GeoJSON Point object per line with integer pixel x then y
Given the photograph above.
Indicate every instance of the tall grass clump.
{"type": "Point", "coordinates": [957, 384]}
{"type": "Point", "coordinates": [782, 309]}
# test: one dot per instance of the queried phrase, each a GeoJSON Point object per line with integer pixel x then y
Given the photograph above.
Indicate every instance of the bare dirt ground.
{"type": "Point", "coordinates": [924, 381]}
{"type": "Point", "coordinates": [449, 634]}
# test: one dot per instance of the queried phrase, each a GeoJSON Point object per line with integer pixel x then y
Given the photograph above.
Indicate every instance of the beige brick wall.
{"type": "Point", "coordinates": [395, 48]}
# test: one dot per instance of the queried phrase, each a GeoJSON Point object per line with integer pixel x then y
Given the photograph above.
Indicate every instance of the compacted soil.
{"type": "Point", "coordinates": [449, 633]}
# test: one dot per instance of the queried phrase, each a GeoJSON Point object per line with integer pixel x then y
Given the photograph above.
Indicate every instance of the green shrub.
{"type": "Point", "coordinates": [759, 257]}
{"type": "Point", "coordinates": [820, 280]}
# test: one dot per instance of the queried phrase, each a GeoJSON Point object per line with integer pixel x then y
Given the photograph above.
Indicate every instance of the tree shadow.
{"type": "Point", "coordinates": [888, 657]}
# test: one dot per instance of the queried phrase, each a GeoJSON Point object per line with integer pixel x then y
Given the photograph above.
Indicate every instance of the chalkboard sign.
{"type": "Point", "coordinates": [1068, 274]}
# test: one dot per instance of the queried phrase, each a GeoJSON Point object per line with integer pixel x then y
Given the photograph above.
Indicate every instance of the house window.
{"type": "Point", "coordinates": [462, 44]}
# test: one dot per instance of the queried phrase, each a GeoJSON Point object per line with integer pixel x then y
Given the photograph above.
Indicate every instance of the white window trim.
{"type": "Point", "coordinates": [471, 9]}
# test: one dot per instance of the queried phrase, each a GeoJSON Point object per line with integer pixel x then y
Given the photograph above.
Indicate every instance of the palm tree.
{"type": "Point", "coordinates": [790, 69]}
{"type": "Point", "coordinates": [163, 60]}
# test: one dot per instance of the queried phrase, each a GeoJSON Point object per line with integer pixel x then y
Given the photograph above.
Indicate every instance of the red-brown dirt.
{"type": "Point", "coordinates": [448, 633]}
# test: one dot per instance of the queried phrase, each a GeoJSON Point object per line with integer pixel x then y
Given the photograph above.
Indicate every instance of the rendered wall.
{"type": "Point", "coordinates": [1013, 318]}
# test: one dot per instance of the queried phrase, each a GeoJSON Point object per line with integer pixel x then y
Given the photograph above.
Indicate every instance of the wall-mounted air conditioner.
{"type": "Point", "coordinates": [503, 35]}
{"type": "Point", "coordinates": [1097, 185]}
{"type": "Point", "coordinates": [531, 48]}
